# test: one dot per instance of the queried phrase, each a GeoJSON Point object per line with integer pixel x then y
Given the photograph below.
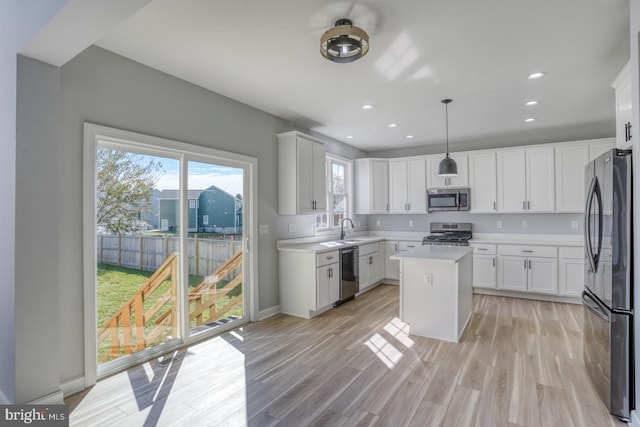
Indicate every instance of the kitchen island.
{"type": "Point", "coordinates": [436, 290]}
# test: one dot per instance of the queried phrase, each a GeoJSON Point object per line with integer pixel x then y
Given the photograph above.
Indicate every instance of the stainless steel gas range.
{"type": "Point", "coordinates": [448, 234]}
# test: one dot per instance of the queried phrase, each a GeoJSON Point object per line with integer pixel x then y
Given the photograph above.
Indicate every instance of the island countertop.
{"type": "Point", "coordinates": [434, 253]}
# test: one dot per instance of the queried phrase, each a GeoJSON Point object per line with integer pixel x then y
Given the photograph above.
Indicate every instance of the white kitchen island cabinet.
{"type": "Point", "coordinates": [436, 290]}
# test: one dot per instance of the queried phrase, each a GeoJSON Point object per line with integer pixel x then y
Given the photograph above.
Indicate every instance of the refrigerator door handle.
{"type": "Point", "coordinates": [587, 225]}
{"type": "Point", "coordinates": [595, 307]}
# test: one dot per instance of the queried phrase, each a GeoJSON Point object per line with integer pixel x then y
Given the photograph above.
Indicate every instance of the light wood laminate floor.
{"type": "Point", "coordinates": [519, 364]}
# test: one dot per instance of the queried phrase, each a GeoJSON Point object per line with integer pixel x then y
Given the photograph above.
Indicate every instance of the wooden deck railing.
{"type": "Point", "coordinates": [131, 329]}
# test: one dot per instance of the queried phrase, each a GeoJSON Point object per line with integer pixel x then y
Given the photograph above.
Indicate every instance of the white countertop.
{"type": "Point", "coordinates": [434, 253]}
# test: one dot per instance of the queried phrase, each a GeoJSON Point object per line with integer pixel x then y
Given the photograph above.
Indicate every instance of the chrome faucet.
{"type": "Point", "coordinates": [342, 227]}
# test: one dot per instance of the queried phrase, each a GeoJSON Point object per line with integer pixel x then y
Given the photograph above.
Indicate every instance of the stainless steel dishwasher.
{"type": "Point", "coordinates": [349, 274]}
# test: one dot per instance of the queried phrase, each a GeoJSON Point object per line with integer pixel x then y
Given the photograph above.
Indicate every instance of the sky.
{"type": "Point", "coordinates": [201, 176]}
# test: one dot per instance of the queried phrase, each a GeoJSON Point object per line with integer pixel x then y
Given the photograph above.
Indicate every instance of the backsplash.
{"type": "Point", "coordinates": [551, 223]}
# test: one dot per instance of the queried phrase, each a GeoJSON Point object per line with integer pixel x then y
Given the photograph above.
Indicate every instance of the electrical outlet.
{"type": "Point", "coordinates": [524, 224]}
{"type": "Point", "coordinates": [410, 223]}
{"type": "Point", "coordinates": [574, 224]}
{"type": "Point", "coordinates": [378, 223]}
{"type": "Point", "coordinates": [292, 228]}
{"type": "Point", "coordinates": [499, 224]}
{"type": "Point", "coordinates": [428, 279]}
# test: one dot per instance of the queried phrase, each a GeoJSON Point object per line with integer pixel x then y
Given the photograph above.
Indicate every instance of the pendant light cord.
{"type": "Point", "coordinates": [446, 114]}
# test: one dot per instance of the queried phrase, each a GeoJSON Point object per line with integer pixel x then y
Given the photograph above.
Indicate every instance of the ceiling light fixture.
{"type": "Point", "coordinates": [409, 136]}
{"type": "Point", "coordinates": [367, 107]}
{"type": "Point", "coordinates": [530, 120]}
{"type": "Point", "coordinates": [447, 166]}
{"type": "Point", "coordinates": [393, 125]}
{"type": "Point", "coordinates": [537, 75]}
{"type": "Point", "coordinates": [349, 136]}
{"type": "Point", "coordinates": [531, 103]}
{"type": "Point", "coordinates": [344, 43]}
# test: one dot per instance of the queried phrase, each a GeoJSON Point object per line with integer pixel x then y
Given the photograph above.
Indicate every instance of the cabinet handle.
{"type": "Point", "coordinates": [494, 206]}
{"type": "Point", "coordinates": [529, 262]}
{"type": "Point", "coordinates": [329, 272]}
{"type": "Point", "coordinates": [482, 249]}
{"type": "Point", "coordinates": [370, 260]}
{"type": "Point", "coordinates": [627, 131]}
{"type": "Point", "coordinates": [387, 207]}
{"type": "Point", "coordinates": [396, 247]}
{"type": "Point", "coordinates": [329, 257]}
{"type": "Point", "coordinates": [528, 205]}
{"type": "Point", "coordinates": [411, 246]}
{"type": "Point", "coordinates": [525, 264]}
{"type": "Point", "coordinates": [494, 261]}
{"type": "Point", "coordinates": [408, 206]}
{"type": "Point", "coordinates": [524, 205]}
{"type": "Point", "coordinates": [527, 252]}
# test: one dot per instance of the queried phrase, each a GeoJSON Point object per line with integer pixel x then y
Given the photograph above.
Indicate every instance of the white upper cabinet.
{"type": "Point", "coordinates": [570, 162]}
{"type": "Point", "coordinates": [622, 86]}
{"type": "Point", "coordinates": [526, 180]}
{"type": "Point", "coordinates": [436, 181]}
{"type": "Point", "coordinates": [301, 174]}
{"type": "Point", "coordinates": [483, 184]}
{"type": "Point", "coordinates": [407, 186]}
{"type": "Point", "coordinates": [372, 186]}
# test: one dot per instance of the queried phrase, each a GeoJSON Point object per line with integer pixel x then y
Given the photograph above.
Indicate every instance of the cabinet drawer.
{"type": "Point", "coordinates": [571, 252]}
{"type": "Point", "coordinates": [326, 258]}
{"type": "Point", "coordinates": [408, 246]}
{"type": "Point", "coordinates": [525, 250]}
{"type": "Point", "coordinates": [369, 248]}
{"type": "Point", "coordinates": [483, 249]}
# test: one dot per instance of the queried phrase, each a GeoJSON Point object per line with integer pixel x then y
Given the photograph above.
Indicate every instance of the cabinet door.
{"type": "Point", "coordinates": [540, 170]}
{"type": "Point", "coordinates": [542, 275]}
{"type": "Point", "coordinates": [398, 195]}
{"type": "Point", "coordinates": [379, 186]}
{"type": "Point", "coordinates": [305, 165]}
{"type": "Point", "coordinates": [392, 266]}
{"type": "Point", "coordinates": [323, 278]}
{"type": "Point", "coordinates": [511, 181]}
{"type": "Point", "coordinates": [624, 110]}
{"type": "Point", "coordinates": [319, 173]}
{"type": "Point", "coordinates": [570, 162]}
{"type": "Point", "coordinates": [571, 277]}
{"type": "Point", "coordinates": [416, 186]}
{"type": "Point", "coordinates": [334, 283]}
{"type": "Point", "coordinates": [365, 271]}
{"type": "Point", "coordinates": [436, 181]}
{"type": "Point", "coordinates": [596, 149]}
{"type": "Point", "coordinates": [484, 271]}
{"type": "Point", "coordinates": [375, 266]}
{"type": "Point", "coordinates": [482, 181]}
{"type": "Point", "coordinates": [513, 273]}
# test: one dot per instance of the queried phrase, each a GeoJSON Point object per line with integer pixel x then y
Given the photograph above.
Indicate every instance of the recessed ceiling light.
{"type": "Point", "coordinates": [349, 136]}
{"type": "Point", "coordinates": [531, 103]}
{"type": "Point", "coordinates": [367, 107]}
{"type": "Point", "coordinates": [537, 75]}
{"type": "Point", "coordinates": [409, 136]}
{"type": "Point", "coordinates": [393, 125]}
{"type": "Point", "coordinates": [530, 120]}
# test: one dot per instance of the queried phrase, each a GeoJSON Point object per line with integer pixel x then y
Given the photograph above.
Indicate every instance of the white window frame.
{"type": "Point", "coordinates": [348, 178]}
{"type": "Point", "coordinates": [97, 134]}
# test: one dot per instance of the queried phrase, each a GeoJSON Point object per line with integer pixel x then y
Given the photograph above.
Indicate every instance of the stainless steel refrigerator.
{"type": "Point", "coordinates": [608, 294]}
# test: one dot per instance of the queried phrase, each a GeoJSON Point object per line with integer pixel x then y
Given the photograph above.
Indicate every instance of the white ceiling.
{"type": "Point", "coordinates": [266, 54]}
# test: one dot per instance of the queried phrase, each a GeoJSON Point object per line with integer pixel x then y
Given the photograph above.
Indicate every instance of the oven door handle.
{"type": "Point", "coordinates": [596, 307]}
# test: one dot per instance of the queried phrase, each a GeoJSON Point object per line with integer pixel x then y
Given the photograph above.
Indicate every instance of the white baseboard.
{"type": "Point", "coordinates": [271, 311]}
{"type": "Point", "coordinates": [55, 398]}
{"type": "Point", "coordinates": [72, 386]}
{"type": "Point", "coordinates": [635, 420]}
{"type": "Point", "coordinates": [527, 295]}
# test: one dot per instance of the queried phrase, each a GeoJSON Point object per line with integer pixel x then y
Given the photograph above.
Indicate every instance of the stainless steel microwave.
{"type": "Point", "coordinates": [448, 199]}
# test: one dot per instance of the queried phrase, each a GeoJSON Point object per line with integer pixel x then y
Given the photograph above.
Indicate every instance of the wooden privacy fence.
{"type": "Point", "coordinates": [134, 328]}
{"type": "Point", "coordinates": [145, 252]}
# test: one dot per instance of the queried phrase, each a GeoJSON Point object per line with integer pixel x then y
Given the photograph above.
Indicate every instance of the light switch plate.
{"type": "Point", "coordinates": [574, 224]}
{"type": "Point", "coordinates": [499, 224]}
{"type": "Point", "coordinates": [410, 223]}
{"type": "Point", "coordinates": [524, 224]}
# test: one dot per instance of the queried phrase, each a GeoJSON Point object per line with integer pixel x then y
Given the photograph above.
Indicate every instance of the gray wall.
{"type": "Point", "coordinates": [511, 223]}
{"type": "Point", "coordinates": [19, 21]}
{"type": "Point", "coordinates": [101, 87]}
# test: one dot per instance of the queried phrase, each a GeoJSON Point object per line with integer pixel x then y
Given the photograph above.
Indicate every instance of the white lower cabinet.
{"type": "Point", "coordinates": [391, 266]}
{"type": "Point", "coordinates": [327, 285]}
{"type": "Point", "coordinates": [570, 271]}
{"type": "Point", "coordinates": [528, 268]}
{"type": "Point", "coordinates": [370, 265]}
{"type": "Point", "coordinates": [484, 266]}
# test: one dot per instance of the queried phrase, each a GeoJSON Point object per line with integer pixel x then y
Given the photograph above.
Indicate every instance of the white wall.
{"type": "Point", "coordinates": [104, 88]}
{"type": "Point", "coordinates": [19, 21]}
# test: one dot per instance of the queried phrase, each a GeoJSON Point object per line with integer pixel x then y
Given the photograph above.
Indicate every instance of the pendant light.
{"type": "Point", "coordinates": [447, 166]}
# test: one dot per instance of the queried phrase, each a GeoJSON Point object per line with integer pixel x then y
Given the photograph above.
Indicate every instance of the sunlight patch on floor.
{"type": "Point", "coordinates": [400, 331]}
{"type": "Point", "coordinates": [385, 351]}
